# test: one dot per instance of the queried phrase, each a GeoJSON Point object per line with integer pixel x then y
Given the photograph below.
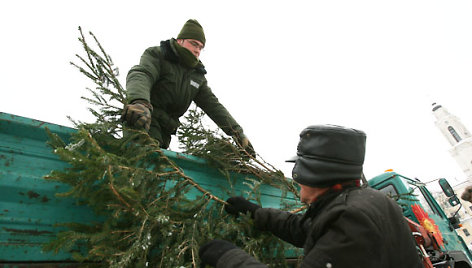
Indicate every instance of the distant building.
{"type": "Point", "coordinates": [458, 136]}
{"type": "Point", "coordinates": [460, 140]}
{"type": "Point", "coordinates": [465, 215]}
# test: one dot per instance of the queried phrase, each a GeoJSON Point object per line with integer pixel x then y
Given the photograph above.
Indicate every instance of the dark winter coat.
{"type": "Point", "coordinates": [361, 227]}
{"type": "Point", "coordinates": [161, 79]}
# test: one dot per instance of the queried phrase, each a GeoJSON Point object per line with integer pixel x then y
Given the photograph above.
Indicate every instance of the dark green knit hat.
{"type": "Point", "coordinates": [192, 30]}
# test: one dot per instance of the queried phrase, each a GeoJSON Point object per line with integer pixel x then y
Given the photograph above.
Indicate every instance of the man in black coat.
{"type": "Point", "coordinates": [345, 226]}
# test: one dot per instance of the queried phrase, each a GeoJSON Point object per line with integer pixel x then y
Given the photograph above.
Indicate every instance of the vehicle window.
{"type": "Point", "coordinates": [466, 232]}
{"type": "Point", "coordinates": [390, 191]}
{"type": "Point", "coordinates": [424, 203]}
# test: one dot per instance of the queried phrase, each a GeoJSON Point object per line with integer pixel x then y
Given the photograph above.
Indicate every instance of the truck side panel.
{"type": "Point", "coordinates": [29, 208]}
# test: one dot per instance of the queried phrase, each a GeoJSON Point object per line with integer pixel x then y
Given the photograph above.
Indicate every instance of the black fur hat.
{"type": "Point", "coordinates": [328, 154]}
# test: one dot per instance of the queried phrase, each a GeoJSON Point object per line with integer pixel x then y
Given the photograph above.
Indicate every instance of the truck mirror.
{"type": "Point", "coordinates": [446, 187]}
{"type": "Point", "coordinates": [454, 201]}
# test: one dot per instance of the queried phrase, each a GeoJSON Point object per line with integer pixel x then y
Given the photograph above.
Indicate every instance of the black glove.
{"type": "Point", "coordinates": [212, 251]}
{"type": "Point", "coordinates": [137, 114]}
{"type": "Point", "coordinates": [238, 204]}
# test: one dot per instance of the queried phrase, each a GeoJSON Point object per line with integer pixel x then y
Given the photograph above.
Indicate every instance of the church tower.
{"type": "Point", "coordinates": [458, 136]}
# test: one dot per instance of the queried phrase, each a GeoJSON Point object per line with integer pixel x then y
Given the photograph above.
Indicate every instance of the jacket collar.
{"type": "Point", "coordinates": [316, 207]}
{"type": "Point", "coordinates": [171, 55]}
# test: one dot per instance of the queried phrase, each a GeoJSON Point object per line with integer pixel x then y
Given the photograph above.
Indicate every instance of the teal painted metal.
{"type": "Point", "coordinates": [396, 185]}
{"type": "Point", "coordinates": [29, 208]}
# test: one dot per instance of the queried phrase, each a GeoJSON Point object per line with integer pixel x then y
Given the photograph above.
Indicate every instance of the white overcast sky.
{"type": "Point", "coordinates": [278, 66]}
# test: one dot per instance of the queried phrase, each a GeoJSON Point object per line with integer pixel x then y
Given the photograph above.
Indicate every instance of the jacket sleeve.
{"type": "Point", "coordinates": [291, 228]}
{"type": "Point", "coordinates": [142, 77]}
{"type": "Point", "coordinates": [210, 104]}
{"type": "Point", "coordinates": [238, 258]}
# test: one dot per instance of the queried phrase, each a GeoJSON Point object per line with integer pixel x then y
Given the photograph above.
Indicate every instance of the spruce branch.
{"type": "Point", "coordinates": [146, 215]}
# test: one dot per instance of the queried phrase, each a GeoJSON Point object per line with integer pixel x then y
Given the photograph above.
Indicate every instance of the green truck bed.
{"type": "Point", "coordinates": [29, 208]}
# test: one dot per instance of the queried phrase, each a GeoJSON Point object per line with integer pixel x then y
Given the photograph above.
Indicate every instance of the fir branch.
{"type": "Point", "coordinates": [142, 196]}
{"type": "Point", "coordinates": [191, 181]}
{"type": "Point", "coordinates": [119, 196]}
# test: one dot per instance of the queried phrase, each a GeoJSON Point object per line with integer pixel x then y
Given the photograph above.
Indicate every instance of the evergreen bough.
{"type": "Point", "coordinates": [147, 218]}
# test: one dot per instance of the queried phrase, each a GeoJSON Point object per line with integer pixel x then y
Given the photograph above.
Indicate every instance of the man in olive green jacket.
{"type": "Point", "coordinates": [166, 81]}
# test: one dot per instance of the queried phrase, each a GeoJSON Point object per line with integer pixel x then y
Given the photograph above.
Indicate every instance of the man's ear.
{"type": "Point", "coordinates": [180, 41]}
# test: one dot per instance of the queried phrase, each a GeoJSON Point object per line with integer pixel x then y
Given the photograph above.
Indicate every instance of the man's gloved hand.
{"type": "Point", "coordinates": [137, 114]}
{"type": "Point", "coordinates": [238, 204]}
{"type": "Point", "coordinates": [212, 251]}
{"type": "Point", "coordinates": [244, 143]}
{"type": "Point", "coordinates": [467, 194]}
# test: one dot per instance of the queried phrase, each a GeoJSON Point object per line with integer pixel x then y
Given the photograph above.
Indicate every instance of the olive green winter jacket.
{"type": "Point", "coordinates": [170, 86]}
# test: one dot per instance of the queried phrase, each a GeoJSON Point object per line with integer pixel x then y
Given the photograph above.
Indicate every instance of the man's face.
{"type": "Point", "coordinates": [309, 194]}
{"type": "Point", "coordinates": [193, 45]}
